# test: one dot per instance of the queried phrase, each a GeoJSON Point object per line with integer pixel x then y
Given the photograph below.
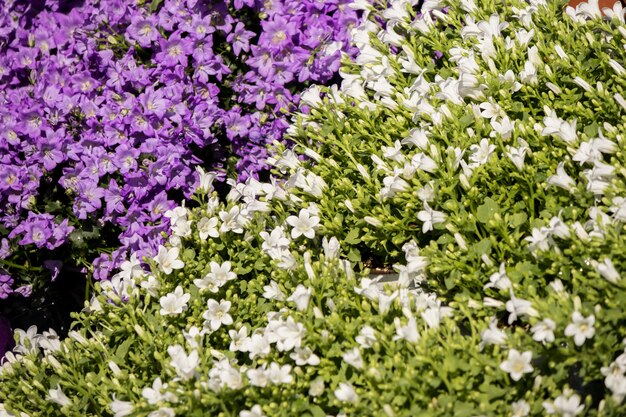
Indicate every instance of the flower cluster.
{"type": "Point", "coordinates": [440, 157]}
{"type": "Point", "coordinates": [107, 107]}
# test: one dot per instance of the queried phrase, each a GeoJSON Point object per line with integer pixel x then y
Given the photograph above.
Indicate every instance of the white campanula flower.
{"type": "Point", "coordinates": [345, 392]}
{"type": "Point", "coordinates": [217, 314]}
{"type": "Point", "coordinates": [520, 408]}
{"type": "Point", "coordinates": [205, 180]}
{"type": "Point", "coordinates": [184, 364]}
{"type": "Point", "coordinates": [151, 285]}
{"type": "Point", "coordinates": [607, 270]}
{"type": "Point", "coordinates": [353, 357]}
{"type": "Point", "coordinates": [543, 331]}
{"type": "Point", "coordinates": [174, 302]}
{"type": "Point", "coordinates": [517, 364]}
{"type": "Point", "coordinates": [518, 307]}
{"type": "Point", "coordinates": [300, 297]}
{"type": "Point", "coordinates": [224, 375]}
{"type": "Point", "coordinates": [273, 292]}
{"type": "Point", "coordinates": [232, 220]}
{"type": "Point", "coordinates": [581, 328]}
{"type": "Point", "coordinates": [430, 217]}
{"type": "Point", "coordinates": [566, 405]}
{"type": "Point", "coordinates": [167, 260]}
{"type": "Point", "coordinates": [503, 127]}
{"type": "Point", "coordinates": [279, 374]}
{"type": "Point", "coordinates": [259, 345]}
{"type": "Point", "coordinates": [393, 184]}
{"type": "Point", "coordinates": [239, 340]}
{"type": "Point", "coordinates": [208, 227]}
{"type": "Point", "coordinates": [131, 268]}
{"type": "Point", "coordinates": [156, 393]}
{"type": "Point", "coordinates": [481, 152]}
{"type": "Point", "coordinates": [163, 412]}
{"type": "Point", "coordinates": [176, 214]}
{"type": "Point", "coordinates": [619, 208]}
{"type": "Point", "coordinates": [529, 74]}
{"type": "Point", "coordinates": [182, 228]}
{"type": "Point", "coordinates": [121, 408]}
{"type": "Point", "coordinates": [407, 332]}
{"type": "Point", "coordinates": [433, 315]}
{"type": "Point", "coordinates": [540, 239]}
{"type": "Point", "coordinates": [366, 337]}
{"type": "Point", "coordinates": [305, 356]}
{"type": "Point", "coordinates": [288, 334]}
{"type": "Point", "coordinates": [492, 335]}
{"type": "Point", "coordinates": [259, 377]}
{"type": "Point", "coordinates": [255, 411]}
{"type": "Point", "coordinates": [275, 241]}
{"type": "Point", "coordinates": [517, 155]}
{"type": "Point", "coordinates": [499, 279]}
{"type": "Point", "coordinates": [303, 225]}
{"type": "Point", "coordinates": [423, 162]}
{"type": "Point", "coordinates": [218, 275]}
{"type": "Point", "coordinates": [561, 179]}
{"type": "Point", "coordinates": [58, 397]}
{"type": "Point", "coordinates": [192, 336]}
{"type": "Point", "coordinates": [393, 152]}
{"type": "Point", "coordinates": [331, 247]}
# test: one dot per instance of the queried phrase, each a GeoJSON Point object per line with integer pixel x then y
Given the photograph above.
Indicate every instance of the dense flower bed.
{"type": "Point", "coordinates": [107, 107]}
{"type": "Point", "coordinates": [476, 151]}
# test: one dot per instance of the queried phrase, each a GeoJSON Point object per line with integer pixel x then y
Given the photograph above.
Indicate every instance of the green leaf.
{"type": "Point", "coordinates": [354, 255]}
{"type": "Point", "coordinates": [317, 411]}
{"type": "Point", "coordinates": [155, 5]}
{"type": "Point", "coordinates": [517, 220]}
{"type": "Point", "coordinates": [122, 350]}
{"type": "Point", "coordinates": [353, 238]}
{"type": "Point", "coordinates": [487, 210]}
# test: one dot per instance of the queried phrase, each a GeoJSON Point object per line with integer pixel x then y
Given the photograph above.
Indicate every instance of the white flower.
{"type": "Point", "coordinates": [517, 364]}
{"type": "Point", "coordinates": [151, 285]}
{"type": "Point", "coordinates": [279, 374]}
{"type": "Point", "coordinates": [543, 331]}
{"type": "Point", "coordinates": [273, 292]}
{"type": "Point", "coordinates": [259, 345]}
{"type": "Point", "coordinates": [561, 179]}
{"type": "Point", "coordinates": [481, 152]}
{"type": "Point", "coordinates": [205, 185]}
{"type": "Point", "coordinates": [430, 217]}
{"type": "Point", "coordinates": [275, 241]}
{"type": "Point", "coordinates": [217, 276]}
{"type": "Point", "coordinates": [167, 260]}
{"type": "Point", "coordinates": [581, 328]}
{"type": "Point", "coordinates": [366, 337]}
{"type": "Point", "coordinates": [255, 411]}
{"type": "Point", "coordinates": [131, 268]}
{"type": "Point", "coordinates": [499, 279]}
{"type": "Point", "coordinates": [304, 224]}
{"type": "Point", "coordinates": [185, 365]}
{"type": "Point", "coordinates": [492, 335]}
{"type": "Point", "coordinates": [305, 356]}
{"type": "Point", "coordinates": [565, 406]}
{"type": "Point", "coordinates": [345, 392]}
{"type": "Point", "coordinates": [421, 161]}
{"type": "Point", "coordinates": [316, 387]}
{"type": "Point", "coordinates": [174, 302]}
{"type": "Point", "coordinates": [520, 408]}
{"type": "Point", "coordinates": [331, 247]}
{"type": "Point", "coordinates": [518, 307]}
{"type": "Point", "coordinates": [607, 270]}
{"type": "Point", "coordinates": [217, 314]}
{"type": "Point", "coordinates": [517, 155]}
{"type": "Point", "coordinates": [353, 357]}
{"type": "Point", "coordinates": [232, 220]}
{"type": "Point", "coordinates": [408, 332]}
{"type": "Point", "coordinates": [540, 239]}
{"type": "Point", "coordinates": [239, 340]}
{"type": "Point", "coordinates": [154, 395]}
{"type": "Point", "coordinates": [163, 412]}
{"type": "Point", "coordinates": [176, 214]}
{"type": "Point", "coordinates": [259, 377]}
{"type": "Point", "coordinates": [289, 334]}
{"type": "Point", "coordinates": [208, 227]}
{"type": "Point", "coordinates": [57, 396]}
{"type": "Point", "coordinates": [300, 297]}
{"type": "Point", "coordinates": [121, 408]}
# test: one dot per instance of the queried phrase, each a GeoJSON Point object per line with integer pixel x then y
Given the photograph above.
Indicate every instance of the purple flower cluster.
{"type": "Point", "coordinates": [107, 107]}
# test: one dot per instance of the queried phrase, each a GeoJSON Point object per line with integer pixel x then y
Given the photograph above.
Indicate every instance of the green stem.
{"type": "Point", "coordinates": [22, 267]}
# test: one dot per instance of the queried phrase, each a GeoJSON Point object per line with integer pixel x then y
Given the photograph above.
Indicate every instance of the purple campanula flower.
{"type": "Point", "coordinates": [144, 30]}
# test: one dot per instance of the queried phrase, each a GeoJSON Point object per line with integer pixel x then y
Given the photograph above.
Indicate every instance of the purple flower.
{"type": "Point", "coordinates": [174, 51]}
{"type": "Point", "coordinates": [240, 38]}
{"type": "Point", "coordinates": [143, 30]}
